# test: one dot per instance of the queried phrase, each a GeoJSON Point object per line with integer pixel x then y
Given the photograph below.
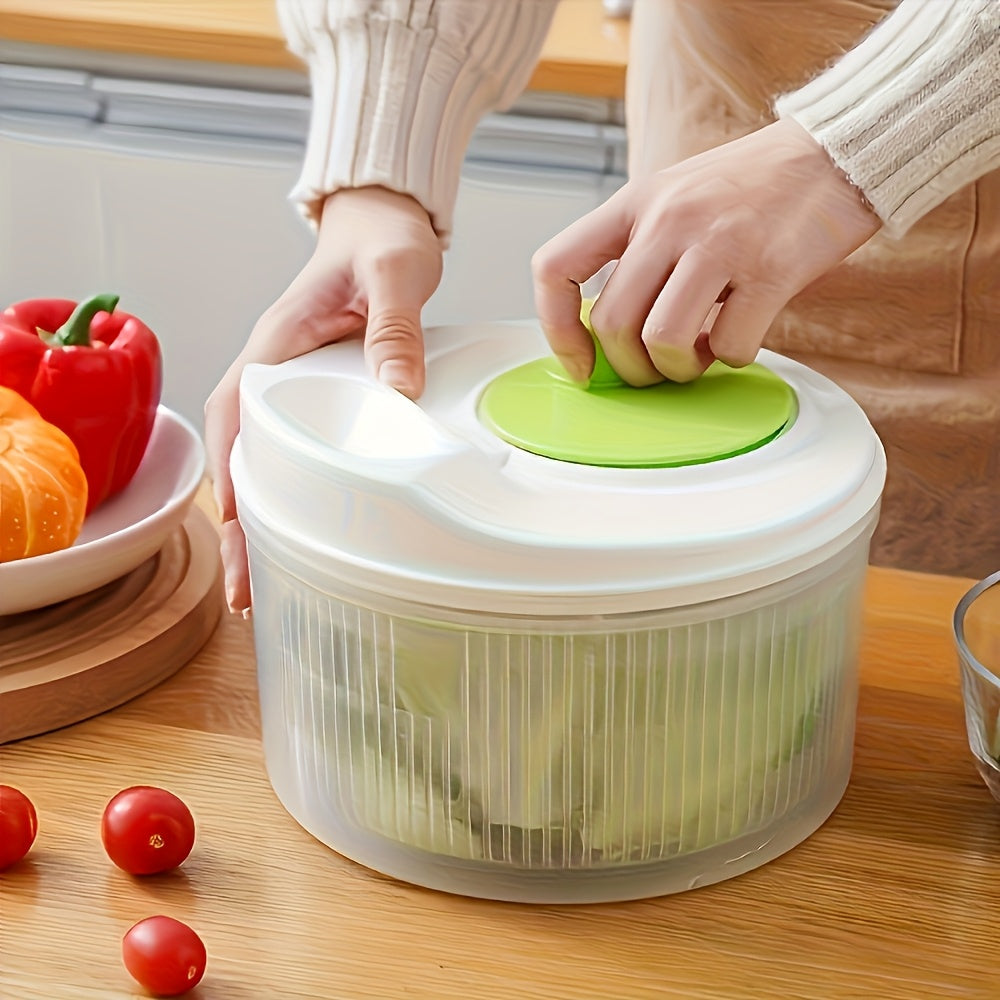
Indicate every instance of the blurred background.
{"type": "Point", "coordinates": [150, 149]}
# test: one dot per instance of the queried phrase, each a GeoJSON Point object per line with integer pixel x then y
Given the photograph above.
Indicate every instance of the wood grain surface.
{"type": "Point", "coordinates": [75, 659]}
{"type": "Point", "coordinates": [585, 52]}
{"type": "Point", "coordinates": [896, 897]}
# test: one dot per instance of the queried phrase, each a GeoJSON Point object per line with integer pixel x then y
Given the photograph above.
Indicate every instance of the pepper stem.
{"type": "Point", "coordinates": [75, 332]}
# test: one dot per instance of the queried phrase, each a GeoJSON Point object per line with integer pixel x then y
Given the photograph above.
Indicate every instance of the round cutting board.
{"type": "Point", "coordinates": [73, 660]}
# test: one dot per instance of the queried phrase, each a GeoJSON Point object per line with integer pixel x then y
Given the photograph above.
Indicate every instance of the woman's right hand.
{"type": "Point", "coordinates": [377, 261]}
{"type": "Point", "coordinates": [707, 252]}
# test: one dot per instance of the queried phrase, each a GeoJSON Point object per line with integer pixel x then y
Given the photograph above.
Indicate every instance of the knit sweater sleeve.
{"type": "Point", "coordinates": [912, 114]}
{"type": "Point", "coordinates": [399, 85]}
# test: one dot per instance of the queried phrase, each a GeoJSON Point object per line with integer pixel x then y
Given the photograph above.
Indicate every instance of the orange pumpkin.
{"type": "Point", "coordinates": [43, 491]}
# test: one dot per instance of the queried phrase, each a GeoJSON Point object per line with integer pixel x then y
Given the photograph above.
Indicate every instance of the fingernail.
{"type": "Point", "coordinates": [574, 369]}
{"type": "Point", "coordinates": [246, 613]}
{"type": "Point", "coordinates": [396, 374]}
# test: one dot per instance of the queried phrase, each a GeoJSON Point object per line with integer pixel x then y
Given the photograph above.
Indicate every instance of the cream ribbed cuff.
{"type": "Point", "coordinates": [399, 85]}
{"type": "Point", "coordinates": [912, 114]}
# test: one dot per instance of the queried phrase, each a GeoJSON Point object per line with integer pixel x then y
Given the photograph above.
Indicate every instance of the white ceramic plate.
{"type": "Point", "coordinates": [120, 534]}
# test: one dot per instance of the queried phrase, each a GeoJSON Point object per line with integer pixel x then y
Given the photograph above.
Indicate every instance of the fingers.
{"type": "Point", "coordinates": [653, 310]}
{"type": "Point", "coordinates": [222, 422]}
{"type": "Point", "coordinates": [237, 569]}
{"type": "Point", "coordinates": [284, 331]}
{"type": "Point", "coordinates": [743, 322]}
{"type": "Point", "coordinates": [394, 345]}
{"type": "Point", "coordinates": [657, 318]}
{"type": "Point", "coordinates": [394, 341]}
{"type": "Point", "coordinates": [565, 263]}
{"type": "Point", "coordinates": [620, 312]}
{"type": "Point", "coordinates": [671, 332]}
{"type": "Point", "coordinates": [289, 328]}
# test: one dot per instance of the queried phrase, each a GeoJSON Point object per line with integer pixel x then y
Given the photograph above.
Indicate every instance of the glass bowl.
{"type": "Point", "coordinates": [977, 637]}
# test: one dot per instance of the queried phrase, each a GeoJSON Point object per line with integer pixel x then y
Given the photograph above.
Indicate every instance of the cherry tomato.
{"type": "Point", "coordinates": [164, 955]}
{"type": "Point", "coordinates": [146, 830]}
{"type": "Point", "coordinates": [18, 825]}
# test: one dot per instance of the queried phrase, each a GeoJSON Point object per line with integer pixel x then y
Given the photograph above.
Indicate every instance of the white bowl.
{"type": "Point", "coordinates": [123, 532]}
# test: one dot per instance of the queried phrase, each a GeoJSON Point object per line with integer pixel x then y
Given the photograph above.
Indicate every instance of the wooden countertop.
{"type": "Point", "coordinates": [585, 53]}
{"type": "Point", "coordinates": [895, 898]}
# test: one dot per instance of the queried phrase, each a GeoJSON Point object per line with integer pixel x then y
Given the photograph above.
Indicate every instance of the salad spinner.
{"type": "Point", "coordinates": [530, 640]}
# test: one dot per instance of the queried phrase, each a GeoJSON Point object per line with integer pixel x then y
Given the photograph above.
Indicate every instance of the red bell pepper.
{"type": "Point", "coordinates": [94, 372]}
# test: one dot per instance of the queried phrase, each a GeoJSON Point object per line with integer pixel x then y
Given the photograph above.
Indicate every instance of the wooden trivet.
{"type": "Point", "coordinates": [75, 659]}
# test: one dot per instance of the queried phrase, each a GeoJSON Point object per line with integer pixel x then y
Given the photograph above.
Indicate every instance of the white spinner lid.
{"type": "Point", "coordinates": [423, 502]}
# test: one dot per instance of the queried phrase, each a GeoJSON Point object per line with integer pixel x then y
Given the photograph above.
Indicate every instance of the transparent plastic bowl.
{"type": "Point", "coordinates": [556, 760]}
{"type": "Point", "coordinates": [977, 637]}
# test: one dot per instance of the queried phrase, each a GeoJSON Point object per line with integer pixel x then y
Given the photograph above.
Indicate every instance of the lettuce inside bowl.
{"type": "Point", "coordinates": [552, 749]}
